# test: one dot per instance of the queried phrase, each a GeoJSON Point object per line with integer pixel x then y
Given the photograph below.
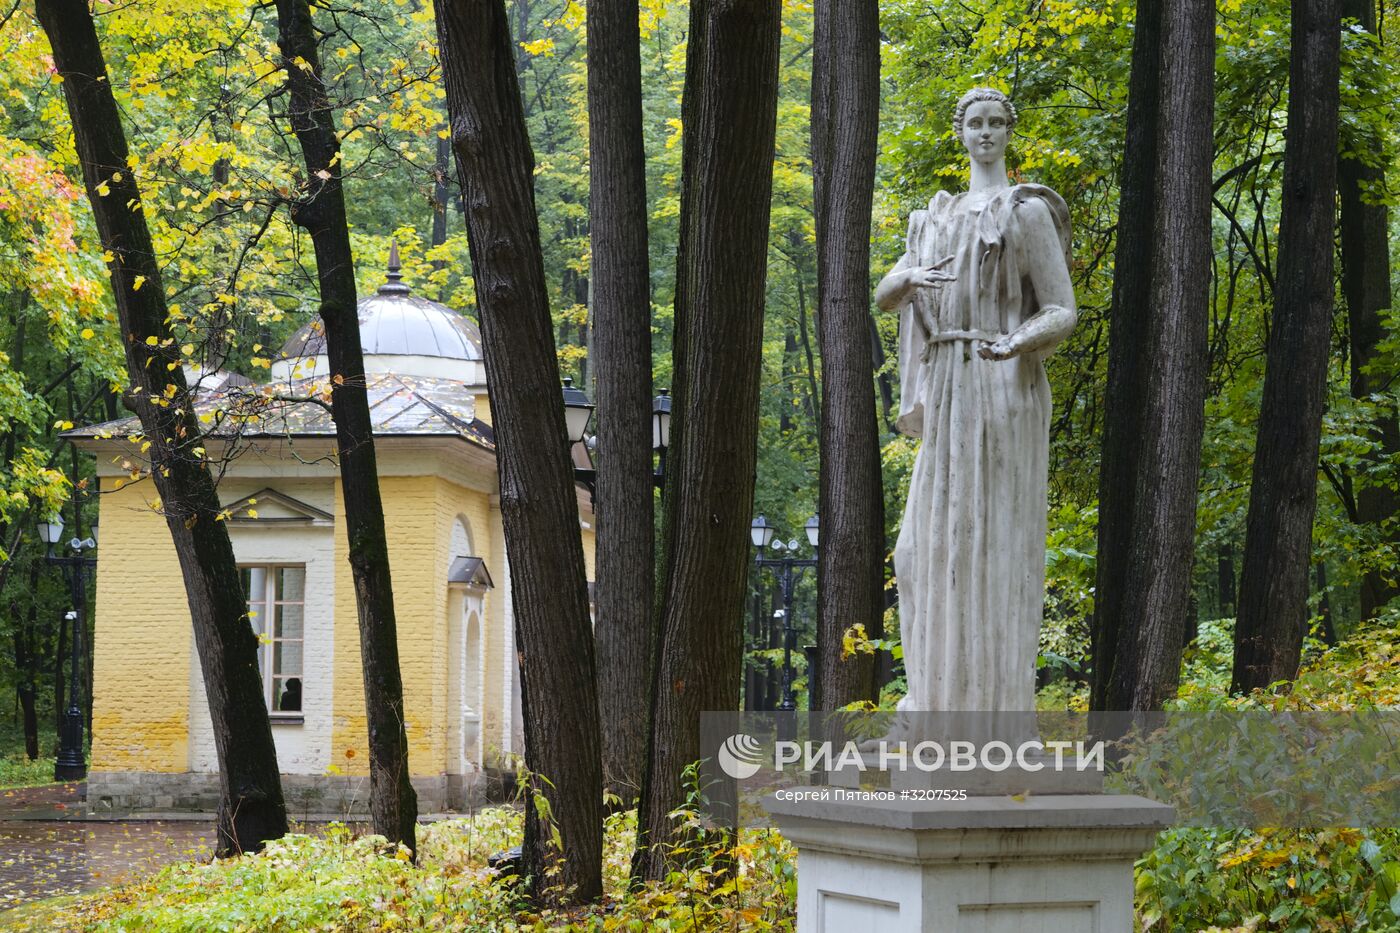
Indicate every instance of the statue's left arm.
{"type": "Point", "coordinates": [1043, 253]}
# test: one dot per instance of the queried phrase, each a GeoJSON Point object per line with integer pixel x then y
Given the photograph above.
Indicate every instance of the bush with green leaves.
{"type": "Point", "coordinates": [338, 880]}
{"type": "Point", "coordinates": [1287, 880]}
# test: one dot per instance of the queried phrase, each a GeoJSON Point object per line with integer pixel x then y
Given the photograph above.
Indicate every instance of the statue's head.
{"type": "Point", "coordinates": [983, 121]}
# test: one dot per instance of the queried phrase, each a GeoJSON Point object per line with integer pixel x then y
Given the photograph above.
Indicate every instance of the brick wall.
{"type": "Point", "coordinates": [143, 640]}
{"type": "Point", "coordinates": [417, 559]}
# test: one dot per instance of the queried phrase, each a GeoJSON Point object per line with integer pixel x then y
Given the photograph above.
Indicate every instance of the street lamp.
{"type": "Point", "coordinates": [71, 765]}
{"type": "Point", "coordinates": [661, 434]}
{"type": "Point", "coordinates": [761, 533]}
{"type": "Point", "coordinates": [578, 411]}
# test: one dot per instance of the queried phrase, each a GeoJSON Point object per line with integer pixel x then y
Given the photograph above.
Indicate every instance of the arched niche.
{"type": "Point", "coordinates": [468, 583]}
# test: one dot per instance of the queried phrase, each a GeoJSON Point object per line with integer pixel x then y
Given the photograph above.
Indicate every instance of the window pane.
{"type": "Point", "coordinates": [286, 659]}
{"type": "Point", "coordinates": [289, 620]}
{"type": "Point", "coordinates": [288, 694]}
{"type": "Point", "coordinates": [276, 610]}
{"type": "Point", "coordinates": [291, 583]}
{"type": "Point", "coordinates": [256, 583]}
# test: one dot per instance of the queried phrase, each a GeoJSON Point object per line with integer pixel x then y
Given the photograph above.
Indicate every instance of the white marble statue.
{"type": "Point", "coordinates": [984, 296]}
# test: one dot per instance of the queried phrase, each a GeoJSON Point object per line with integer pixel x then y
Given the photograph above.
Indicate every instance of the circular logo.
{"type": "Point", "coordinates": [740, 756]}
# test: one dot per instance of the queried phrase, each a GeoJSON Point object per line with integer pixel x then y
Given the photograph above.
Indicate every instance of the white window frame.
{"type": "Point", "coordinates": [262, 629]}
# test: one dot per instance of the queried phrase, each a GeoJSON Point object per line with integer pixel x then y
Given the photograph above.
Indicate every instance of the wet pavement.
{"type": "Point", "coordinates": [44, 859]}
{"type": "Point", "coordinates": [48, 848]}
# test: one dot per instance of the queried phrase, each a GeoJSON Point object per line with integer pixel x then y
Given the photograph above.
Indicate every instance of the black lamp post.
{"type": "Point", "coordinates": [786, 569]}
{"type": "Point", "coordinates": [71, 764]}
{"type": "Point", "coordinates": [578, 411]}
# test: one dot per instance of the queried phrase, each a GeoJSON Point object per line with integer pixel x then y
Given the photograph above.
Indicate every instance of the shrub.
{"type": "Point", "coordinates": [340, 881]}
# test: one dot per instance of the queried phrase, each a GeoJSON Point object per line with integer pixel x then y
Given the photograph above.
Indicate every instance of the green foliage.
{"type": "Point", "coordinates": [1209, 879]}
{"type": "Point", "coordinates": [16, 770]}
{"type": "Point", "coordinates": [1334, 879]}
{"type": "Point", "coordinates": [1360, 673]}
{"type": "Point", "coordinates": [341, 881]}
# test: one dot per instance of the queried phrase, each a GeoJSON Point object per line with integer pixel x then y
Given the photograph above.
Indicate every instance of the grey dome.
{"type": "Point", "coordinates": [395, 323]}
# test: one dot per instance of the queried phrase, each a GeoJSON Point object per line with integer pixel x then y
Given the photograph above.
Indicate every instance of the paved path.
{"type": "Point", "coordinates": [47, 847]}
{"type": "Point", "coordinates": [43, 859]}
{"type": "Point", "coordinates": [45, 802]}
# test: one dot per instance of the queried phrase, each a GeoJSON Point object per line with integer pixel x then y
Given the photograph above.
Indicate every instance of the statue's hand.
{"type": "Point", "coordinates": [1001, 350]}
{"type": "Point", "coordinates": [930, 276]}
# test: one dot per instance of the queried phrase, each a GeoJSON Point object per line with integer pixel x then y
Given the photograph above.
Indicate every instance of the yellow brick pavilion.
{"type": "Point", "coordinates": [152, 744]}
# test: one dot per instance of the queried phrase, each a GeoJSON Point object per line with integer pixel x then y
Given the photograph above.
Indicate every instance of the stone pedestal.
{"type": "Point", "coordinates": [1052, 864]}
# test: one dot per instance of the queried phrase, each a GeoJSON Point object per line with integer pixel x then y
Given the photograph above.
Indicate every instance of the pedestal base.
{"type": "Point", "coordinates": [1055, 864]}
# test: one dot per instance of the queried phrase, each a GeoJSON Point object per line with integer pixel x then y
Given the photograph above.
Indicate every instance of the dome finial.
{"type": "Point", "coordinates": [393, 284]}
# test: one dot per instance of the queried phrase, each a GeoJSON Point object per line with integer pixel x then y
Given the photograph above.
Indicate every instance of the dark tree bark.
{"type": "Point", "coordinates": [1365, 252]}
{"type": "Point", "coordinates": [1225, 581]}
{"type": "Point", "coordinates": [845, 128]}
{"type": "Point", "coordinates": [539, 508]}
{"type": "Point", "coordinates": [27, 661]}
{"type": "Point", "coordinates": [442, 195]}
{"type": "Point", "coordinates": [60, 682]}
{"type": "Point", "coordinates": [729, 112]}
{"type": "Point", "coordinates": [1129, 328]}
{"type": "Point", "coordinates": [622, 346]}
{"type": "Point", "coordinates": [320, 210]}
{"type": "Point", "coordinates": [251, 808]}
{"type": "Point", "coordinates": [1157, 360]}
{"type": "Point", "coordinates": [1278, 536]}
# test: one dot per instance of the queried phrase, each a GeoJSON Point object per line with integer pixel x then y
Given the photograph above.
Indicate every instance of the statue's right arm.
{"type": "Point", "coordinates": [895, 288]}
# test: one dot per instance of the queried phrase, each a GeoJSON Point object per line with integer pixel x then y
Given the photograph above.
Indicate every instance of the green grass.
{"type": "Point", "coordinates": [16, 770]}
{"type": "Point", "coordinates": [19, 771]}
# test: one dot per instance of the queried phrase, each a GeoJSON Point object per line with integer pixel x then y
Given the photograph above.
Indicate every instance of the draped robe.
{"type": "Point", "coordinates": [970, 559]}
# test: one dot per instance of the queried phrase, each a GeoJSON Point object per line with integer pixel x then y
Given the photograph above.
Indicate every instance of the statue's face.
{"type": "Point", "coordinates": [985, 132]}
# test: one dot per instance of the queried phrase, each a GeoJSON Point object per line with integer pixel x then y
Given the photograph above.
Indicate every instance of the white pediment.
{"type": "Point", "coordinates": [270, 507]}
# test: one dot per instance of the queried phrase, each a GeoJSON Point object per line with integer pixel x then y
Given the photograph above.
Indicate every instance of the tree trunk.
{"type": "Point", "coordinates": [320, 210]}
{"type": "Point", "coordinates": [729, 113]}
{"type": "Point", "coordinates": [882, 378]}
{"type": "Point", "coordinates": [1365, 252]}
{"type": "Point", "coordinates": [1283, 497]}
{"type": "Point", "coordinates": [539, 507]}
{"type": "Point", "coordinates": [845, 127]}
{"type": "Point", "coordinates": [27, 661]}
{"type": "Point", "coordinates": [1152, 432]}
{"type": "Point", "coordinates": [622, 344]}
{"type": "Point", "coordinates": [1225, 581]}
{"type": "Point", "coordinates": [442, 196]}
{"type": "Point", "coordinates": [60, 682]}
{"type": "Point", "coordinates": [251, 808]}
{"type": "Point", "coordinates": [30, 717]}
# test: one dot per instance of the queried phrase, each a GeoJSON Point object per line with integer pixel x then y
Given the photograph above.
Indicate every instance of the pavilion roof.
{"type": "Point", "coordinates": [399, 405]}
